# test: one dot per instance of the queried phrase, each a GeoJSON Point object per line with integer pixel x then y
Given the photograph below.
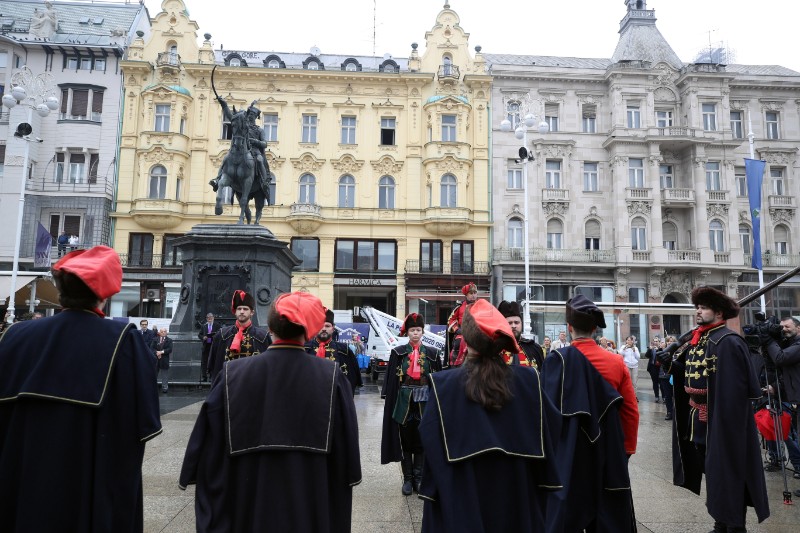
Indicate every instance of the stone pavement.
{"type": "Point", "coordinates": [378, 505]}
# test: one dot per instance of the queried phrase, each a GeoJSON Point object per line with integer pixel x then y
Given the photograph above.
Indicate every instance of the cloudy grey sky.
{"type": "Point", "coordinates": [757, 32]}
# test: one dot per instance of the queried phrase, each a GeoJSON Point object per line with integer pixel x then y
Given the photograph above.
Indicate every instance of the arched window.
{"type": "Point", "coordinates": [158, 183]}
{"type": "Point", "coordinates": [386, 193]}
{"type": "Point", "coordinates": [347, 191]}
{"type": "Point", "coordinates": [592, 232]}
{"type": "Point", "coordinates": [669, 235]}
{"type": "Point", "coordinates": [274, 63]}
{"type": "Point", "coordinates": [308, 189]}
{"type": "Point", "coordinates": [515, 233]}
{"type": "Point", "coordinates": [447, 66]}
{"type": "Point", "coordinates": [716, 236]}
{"type": "Point", "coordinates": [781, 240]}
{"type": "Point", "coordinates": [449, 191]}
{"type": "Point", "coordinates": [555, 234]}
{"type": "Point", "coordinates": [236, 62]}
{"type": "Point", "coordinates": [638, 234]}
{"type": "Point", "coordinates": [744, 237]}
{"type": "Point", "coordinates": [512, 113]}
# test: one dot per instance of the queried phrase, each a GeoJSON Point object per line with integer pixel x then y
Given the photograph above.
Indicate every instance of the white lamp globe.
{"type": "Point", "coordinates": [519, 133]}
{"type": "Point", "coordinates": [543, 127]}
{"type": "Point", "coordinates": [51, 103]}
{"type": "Point", "coordinates": [505, 125]}
{"type": "Point", "coordinates": [9, 101]}
{"type": "Point", "coordinates": [18, 93]}
{"type": "Point", "coordinates": [530, 120]}
{"type": "Point", "coordinates": [42, 110]}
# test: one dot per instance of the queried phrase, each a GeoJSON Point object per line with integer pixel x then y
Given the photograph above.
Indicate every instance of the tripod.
{"type": "Point", "coordinates": [775, 408]}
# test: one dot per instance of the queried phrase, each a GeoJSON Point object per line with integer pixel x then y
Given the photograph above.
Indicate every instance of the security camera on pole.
{"type": "Point", "coordinates": [524, 106]}
{"type": "Point", "coordinates": [38, 94]}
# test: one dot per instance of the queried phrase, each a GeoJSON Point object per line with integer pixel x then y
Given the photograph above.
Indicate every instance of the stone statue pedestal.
{"type": "Point", "coordinates": [217, 260]}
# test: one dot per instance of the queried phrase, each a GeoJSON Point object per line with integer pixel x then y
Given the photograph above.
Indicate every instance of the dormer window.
{"type": "Point", "coordinates": [389, 66]}
{"type": "Point", "coordinates": [313, 63]}
{"type": "Point", "coordinates": [235, 60]}
{"type": "Point", "coordinates": [273, 61]}
{"type": "Point", "coordinates": [351, 65]}
{"type": "Point", "coordinates": [274, 64]}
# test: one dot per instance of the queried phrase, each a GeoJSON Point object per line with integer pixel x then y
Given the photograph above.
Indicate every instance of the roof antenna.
{"type": "Point", "coordinates": [374, 23]}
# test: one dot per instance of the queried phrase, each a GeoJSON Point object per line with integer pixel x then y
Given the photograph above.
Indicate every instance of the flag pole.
{"type": "Point", "coordinates": [751, 138]}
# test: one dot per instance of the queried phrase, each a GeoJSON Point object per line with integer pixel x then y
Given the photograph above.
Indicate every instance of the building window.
{"type": "Point", "coordinates": [514, 178]}
{"type": "Point", "coordinates": [449, 191]}
{"type": "Point", "coordinates": [636, 173]}
{"type": "Point", "coordinates": [365, 255]}
{"type": "Point", "coordinates": [388, 126]}
{"type": "Point", "coordinates": [273, 63]}
{"type": "Point", "coordinates": [741, 182]}
{"type": "Point", "coordinates": [663, 119]}
{"type": "Point", "coordinates": [551, 116]}
{"type": "Point", "coordinates": [555, 234]}
{"type": "Point", "coordinates": [235, 62]}
{"type": "Point", "coordinates": [273, 188]}
{"type": "Point", "coordinates": [308, 189]}
{"type": "Point", "coordinates": [307, 250]}
{"type": "Point", "coordinates": [772, 125]}
{"type": "Point", "coordinates": [140, 250]}
{"type": "Point", "coordinates": [178, 185]}
{"type": "Point", "coordinates": [515, 233]}
{"type": "Point", "coordinates": [347, 191]}
{"type": "Point", "coordinates": [778, 185]}
{"type": "Point", "coordinates": [386, 193]}
{"type": "Point", "coordinates": [271, 127]}
{"type": "Point", "coordinates": [744, 237]}
{"type": "Point", "coordinates": [430, 256]}
{"type": "Point", "coordinates": [158, 183]}
{"type": "Point", "coordinates": [309, 129]}
{"type": "Point", "coordinates": [182, 126]}
{"type": "Point", "coordinates": [513, 114]}
{"type": "Point", "coordinates": [162, 117]}
{"type": "Point", "coordinates": [669, 234]}
{"type": "Point", "coordinates": [461, 257]}
{"type": "Point", "coordinates": [227, 130]}
{"type": "Point", "coordinates": [665, 176]}
{"type": "Point", "coordinates": [589, 118]}
{"type": "Point", "coordinates": [71, 224]}
{"type": "Point", "coordinates": [71, 167]}
{"type": "Point", "coordinates": [716, 236]}
{"type": "Point", "coordinates": [86, 63]}
{"type": "Point", "coordinates": [737, 131]}
{"type": "Point", "coordinates": [638, 234]}
{"type": "Point", "coordinates": [351, 67]}
{"type": "Point", "coordinates": [781, 240]}
{"type": "Point", "coordinates": [552, 174]}
{"type": "Point", "coordinates": [348, 130]}
{"type": "Point", "coordinates": [709, 117]}
{"type": "Point", "coordinates": [72, 63]}
{"type": "Point", "coordinates": [634, 116]}
{"type": "Point", "coordinates": [448, 128]}
{"type": "Point", "coordinates": [713, 182]}
{"type": "Point", "coordinates": [81, 104]}
{"type": "Point", "coordinates": [100, 64]}
{"type": "Point", "coordinates": [590, 181]}
{"type": "Point", "coordinates": [172, 254]}
{"type": "Point", "coordinates": [592, 234]}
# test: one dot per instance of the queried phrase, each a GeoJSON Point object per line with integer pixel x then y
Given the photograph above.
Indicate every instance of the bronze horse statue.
{"type": "Point", "coordinates": [239, 168]}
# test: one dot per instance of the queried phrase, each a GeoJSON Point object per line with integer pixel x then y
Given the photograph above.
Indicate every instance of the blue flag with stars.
{"type": "Point", "coordinates": [754, 171]}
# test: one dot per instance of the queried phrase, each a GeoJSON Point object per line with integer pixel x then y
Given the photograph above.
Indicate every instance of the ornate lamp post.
{"type": "Point", "coordinates": [38, 94]}
{"type": "Point", "coordinates": [524, 106]}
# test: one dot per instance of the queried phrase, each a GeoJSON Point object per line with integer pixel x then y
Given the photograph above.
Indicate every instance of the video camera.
{"type": "Point", "coordinates": [763, 330]}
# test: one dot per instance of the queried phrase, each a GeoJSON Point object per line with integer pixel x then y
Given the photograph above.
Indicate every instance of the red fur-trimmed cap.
{"type": "Point", "coordinates": [413, 320]}
{"type": "Point", "coordinates": [303, 309]}
{"type": "Point", "coordinates": [241, 298]}
{"type": "Point", "coordinates": [98, 268]}
{"type": "Point", "coordinates": [482, 322]}
{"type": "Point", "coordinates": [716, 300]}
{"type": "Point", "coordinates": [469, 287]}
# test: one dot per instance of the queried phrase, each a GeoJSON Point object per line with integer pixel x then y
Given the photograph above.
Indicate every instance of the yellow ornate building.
{"type": "Point", "coordinates": [380, 165]}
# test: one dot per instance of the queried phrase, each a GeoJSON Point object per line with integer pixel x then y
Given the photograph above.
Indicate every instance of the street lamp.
{"type": "Point", "coordinates": [524, 106]}
{"type": "Point", "coordinates": [37, 93]}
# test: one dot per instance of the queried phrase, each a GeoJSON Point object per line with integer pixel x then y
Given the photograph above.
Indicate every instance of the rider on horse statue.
{"type": "Point", "coordinates": [256, 142]}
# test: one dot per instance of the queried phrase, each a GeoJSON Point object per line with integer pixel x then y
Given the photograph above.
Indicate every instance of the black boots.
{"type": "Point", "coordinates": [417, 480]}
{"type": "Point", "coordinates": [722, 528]}
{"type": "Point", "coordinates": [408, 478]}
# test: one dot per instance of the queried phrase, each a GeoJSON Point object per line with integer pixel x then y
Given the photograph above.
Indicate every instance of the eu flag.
{"type": "Point", "coordinates": [754, 171]}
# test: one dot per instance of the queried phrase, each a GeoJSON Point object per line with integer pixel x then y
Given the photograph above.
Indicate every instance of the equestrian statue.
{"type": "Point", "coordinates": [245, 168]}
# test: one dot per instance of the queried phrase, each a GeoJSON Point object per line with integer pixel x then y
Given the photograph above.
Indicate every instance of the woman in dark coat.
{"type": "Point", "coordinates": [405, 392]}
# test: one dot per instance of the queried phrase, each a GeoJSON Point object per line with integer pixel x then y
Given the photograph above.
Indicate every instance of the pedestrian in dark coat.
{"type": "Point", "coordinates": [323, 345]}
{"type": "Point", "coordinates": [162, 350]}
{"type": "Point", "coordinates": [487, 437]}
{"type": "Point", "coordinates": [714, 432]}
{"type": "Point", "coordinates": [241, 339]}
{"type": "Point", "coordinates": [653, 366]}
{"type": "Point", "coordinates": [78, 402]}
{"type": "Point", "coordinates": [275, 447]}
{"type": "Point", "coordinates": [206, 335]}
{"type": "Point", "coordinates": [405, 394]}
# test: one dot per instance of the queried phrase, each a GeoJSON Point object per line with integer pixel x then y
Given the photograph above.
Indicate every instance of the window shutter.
{"type": "Point", "coordinates": [80, 102]}
{"type": "Point", "coordinates": [77, 158]}
{"type": "Point", "coordinates": [554, 226]}
{"type": "Point", "coordinates": [781, 235]}
{"type": "Point", "coordinates": [64, 98]}
{"type": "Point", "coordinates": [551, 110]}
{"type": "Point", "coordinates": [670, 232]}
{"type": "Point", "coordinates": [589, 111]}
{"type": "Point", "coordinates": [97, 102]}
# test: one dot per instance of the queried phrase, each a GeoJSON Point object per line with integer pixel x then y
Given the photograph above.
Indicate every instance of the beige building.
{"type": "Point", "coordinates": [380, 165]}
{"type": "Point", "coordinates": [638, 192]}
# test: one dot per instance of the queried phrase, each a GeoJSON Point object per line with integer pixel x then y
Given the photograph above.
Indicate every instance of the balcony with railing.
{"type": "Point", "coordinates": [722, 258]}
{"type": "Point", "coordinates": [448, 72]}
{"type": "Point", "coordinates": [775, 260]}
{"type": "Point", "coordinates": [555, 195]}
{"type": "Point", "coordinates": [90, 186]}
{"type": "Point", "coordinates": [782, 202]}
{"type": "Point", "coordinates": [638, 193]}
{"type": "Point", "coordinates": [414, 266]}
{"type": "Point", "coordinates": [683, 256]}
{"type": "Point", "coordinates": [641, 255]}
{"type": "Point", "coordinates": [677, 196]}
{"type": "Point", "coordinates": [305, 218]}
{"type": "Point", "coordinates": [168, 59]}
{"type": "Point", "coordinates": [145, 260]}
{"type": "Point", "coordinates": [717, 196]}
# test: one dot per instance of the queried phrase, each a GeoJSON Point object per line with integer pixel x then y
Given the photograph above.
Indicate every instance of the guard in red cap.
{"type": "Point", "coordinates": [275, 447]}
{"type": "Point", "coordinates": [78, 401]}
{"type": "Point", "coordinates": [242, 339]}
{"type": "Point", "coordinates": [323, 345]}
{"type": "Point", "coordinates": [405, 392]}
{"type": "Point", "coordinates": [487, 421]}
{"type": "Point", "coordinates": [456, 352]}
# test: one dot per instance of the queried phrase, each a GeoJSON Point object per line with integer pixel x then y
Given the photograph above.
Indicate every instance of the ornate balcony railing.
{"type": "Point", "coordinates": [150, 261]}
{"type": "Point", "coordinates": [782, 201]}
{"type": "Point", "coordinates": [717, 196]}
{"type": "Point", "coordinates": [305, 209]}
{"type": "Point", "coordinates": [168, 59]}
{"type": "Point", "coordinates": [722, 257]}
{"type": "Point", "coordinates": [641, 255]}
{"type": "Point", "coordinates": [449, 71]}
{"type": "Point", "coordinates": [637, 193]}
{"type": "Point", "coordinates": [676, 131]}
{"type": "Point", "coordinates": [86, 186]}
{"type": "Point", "coordinates": [549, 195]}
{"type": "Point", "coordinates": [684, 256]}
{"type": "Point", "coordinates": [778, 260]}
{"type": "Point", "coordinates": [677, 195]}
{"type": "Point", "coordinates": [555, 255]}
{"type": "Point", "coordinates": [414, 266]}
